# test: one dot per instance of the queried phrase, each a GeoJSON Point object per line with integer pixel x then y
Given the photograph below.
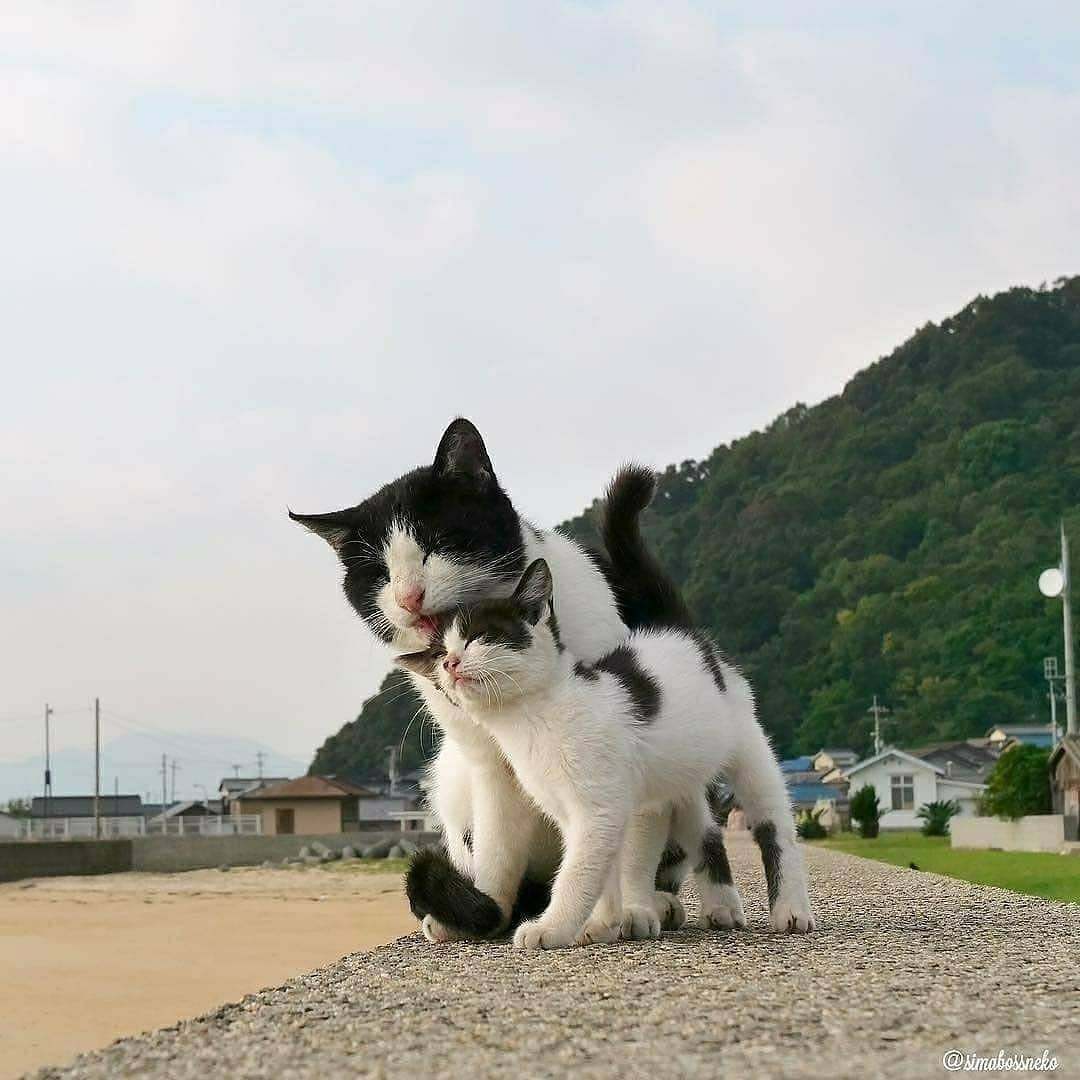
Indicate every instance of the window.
{"type": "Point", "coordinates": [903, 792]}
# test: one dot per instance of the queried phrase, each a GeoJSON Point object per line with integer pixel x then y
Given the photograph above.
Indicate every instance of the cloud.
{"type": "Point", "coordinates": [258, 257]}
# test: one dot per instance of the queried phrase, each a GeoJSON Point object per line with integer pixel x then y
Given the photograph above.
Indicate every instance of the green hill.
{"type": "Point", "coordinates": [389, 718]}
{"type": "Point", "coordinates": [887, 541]}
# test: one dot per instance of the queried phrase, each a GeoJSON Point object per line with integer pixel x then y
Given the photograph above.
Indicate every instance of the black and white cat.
{"type": "Point", "coordinates": [447, 535]}
{"type": "Point", "coordinates": [619, 753]}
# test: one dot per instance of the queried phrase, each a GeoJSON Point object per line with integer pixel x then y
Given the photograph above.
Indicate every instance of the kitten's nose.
{"type": "Point", "coordinates": [452, 663]}
{"type": "Point", "coordinates": [412, 600]}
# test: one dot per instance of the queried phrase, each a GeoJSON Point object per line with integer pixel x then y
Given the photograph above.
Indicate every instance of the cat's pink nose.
{"type": "Point", "coordinates": [452, 663]}
{"type": "Point", "coordinates": [412, 600]}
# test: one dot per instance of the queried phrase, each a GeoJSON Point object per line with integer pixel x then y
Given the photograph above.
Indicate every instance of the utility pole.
{"type": "Point", "coordinates": [164, 796]}
{"type": "Point", "coordinates": [174, 766]}
{"type": "Point", "coordinates": [1055, 582]}
{"type": "Point", "coordinates": [235, 771]}
{"type": "Point", "coordinates": [48, 771]}
{"type": "Point", "coordinates": [259, 759]}
{"type": "Point", "coordinates": [879, 711]}
{"type": "Point", "coordinates": [97, 768]}
{"type": "Point", "coordinates": [1066, 604]}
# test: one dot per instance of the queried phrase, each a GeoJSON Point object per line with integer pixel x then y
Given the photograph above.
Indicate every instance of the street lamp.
{"type": "Point", "coordinates": [1055, 582]}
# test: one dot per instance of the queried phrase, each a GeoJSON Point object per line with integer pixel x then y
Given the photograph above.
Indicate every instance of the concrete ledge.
{"type": "Point", "coordinates": [55, 858]}
{"type": "Point", "coordinates": [905, 966]}
{"type": "Point", "coordinates": [1040, 832]}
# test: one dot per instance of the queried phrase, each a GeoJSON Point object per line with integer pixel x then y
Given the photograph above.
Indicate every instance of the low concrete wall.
{"type": "Point", "coordinates": [53, 858]}
{"type": "Point", "coordinates": [166, 854]}
{"type": "Point", "coordinates": [1041, 832]}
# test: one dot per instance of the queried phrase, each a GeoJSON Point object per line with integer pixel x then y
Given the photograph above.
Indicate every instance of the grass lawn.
{"type": "Point", "coordinates": [1057, 877]}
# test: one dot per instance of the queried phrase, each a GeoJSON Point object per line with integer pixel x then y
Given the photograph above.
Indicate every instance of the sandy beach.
{"type": "Point", "coordinates": [86, 960]}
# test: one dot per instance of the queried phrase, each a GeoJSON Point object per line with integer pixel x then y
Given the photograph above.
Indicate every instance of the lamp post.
{"type": "Point", "coordinates": [1054, 582]}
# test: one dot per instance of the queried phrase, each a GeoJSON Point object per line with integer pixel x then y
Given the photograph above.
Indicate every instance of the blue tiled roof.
{"type": "Point", "coordinates": [797, 764]}
{"type": "Point", "coordinates": [810, 793]}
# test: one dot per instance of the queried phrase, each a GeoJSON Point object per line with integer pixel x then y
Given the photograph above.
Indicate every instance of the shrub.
{"type": "Point", "coordinates": [809, 825]}
{"type": "Point", "coordinates": [935, 817]}
{"type": "Point", "coordinates": [866, 810]}
{"type": "Point", "coordinates": [1019, 784]}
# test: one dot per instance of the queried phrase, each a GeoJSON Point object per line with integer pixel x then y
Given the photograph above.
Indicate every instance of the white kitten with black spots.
{"type": "Point", "coordinates": [619, 753]}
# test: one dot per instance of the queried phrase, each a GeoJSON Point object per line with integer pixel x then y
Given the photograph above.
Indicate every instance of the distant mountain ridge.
{"type": "Point", "coordinates": [885, 541]}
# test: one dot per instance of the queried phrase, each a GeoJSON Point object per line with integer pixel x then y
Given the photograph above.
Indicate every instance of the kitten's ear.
{"type": "Point", "coordinates": [423, 663]}
{"type": "Point", "coordinates": [462, 452]}
{"type": "Point", "coordinates": [533, 592]}
{"type": "Point", "coordinates": [333, 528]}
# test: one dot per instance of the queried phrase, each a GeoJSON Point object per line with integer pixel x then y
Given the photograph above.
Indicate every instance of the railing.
{"type": "Point", "coordinates": [208, 825]}
{"type": "Point", "coordinates": [81, 828]}
{"type": "Point", "coordinates": [114, 828]}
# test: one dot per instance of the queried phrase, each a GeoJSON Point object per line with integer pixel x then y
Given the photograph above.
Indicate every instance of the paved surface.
{"type": "Point", "coordinates": [905, 966]}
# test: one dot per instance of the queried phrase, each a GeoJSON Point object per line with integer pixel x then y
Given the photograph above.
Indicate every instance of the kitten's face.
{"type": "Point", "coordinates": [442, 536]}
{"type": "Point", "coordinates": [495, 651]}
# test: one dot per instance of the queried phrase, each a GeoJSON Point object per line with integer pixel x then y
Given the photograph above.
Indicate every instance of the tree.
{"type": "Point", "coordinates": [1019, 784]}
{"type": "Point", "coordinates": [935, 816]}
{"type": "Point", "coordinates": [809, 825]}
{"type": "Point", "coordinates": [866, 810]}
{"type": "Point", "coordinates": [19, 808]}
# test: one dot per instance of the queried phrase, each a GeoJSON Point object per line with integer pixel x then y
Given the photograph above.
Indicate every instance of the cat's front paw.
{"type": "Point", "coordinates": [723, 910]}
{"type": "Point", "coordinates": [436, 933]}
{"type": "Point", "coordinates": [599, 932]}
{"type": "Point", "coordinates": [792, 915]}
{"type": "Point", "coordinates": [670, 910]}
{"type": "Point", "coordinates": [640, 923]}
{"type": "Point", "coordinates": [536, 935]}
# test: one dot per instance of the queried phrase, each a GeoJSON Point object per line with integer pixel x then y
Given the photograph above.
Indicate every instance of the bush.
{"type": "Point", "coordinates": [866, 811]}
{"type": "Point", "coordinates": [935, 817]}
{"type": "Point", "coordinates": [809, 825]}
{"type": "Point", "coordinates": [1019, 784]}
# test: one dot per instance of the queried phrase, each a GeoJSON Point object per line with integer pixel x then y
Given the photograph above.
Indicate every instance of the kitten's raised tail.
{"type": "Point", "coordinates": [646, 595]}
{"type": "Point", "coordinates": [437, 888]}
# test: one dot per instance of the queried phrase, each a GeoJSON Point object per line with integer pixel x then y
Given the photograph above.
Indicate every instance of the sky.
{"type": "Point", "coordinates": [257, 255]}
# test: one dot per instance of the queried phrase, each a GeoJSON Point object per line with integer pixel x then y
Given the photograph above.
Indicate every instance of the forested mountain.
{"type": "Point", "coordinates": [888, 540]}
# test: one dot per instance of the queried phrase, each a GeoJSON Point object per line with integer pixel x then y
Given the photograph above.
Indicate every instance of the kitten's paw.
{"type": "Point", "coordinates": [793, 915]}
{"type": "Point", "coordinates": [723, 911]}
{"type": "Point", "coordinates": [670, 910]}
{"type": "Point", "coordinates": [640, 923]}
{"type": "Point", "coordinates": [599, 932]}
{"type": "Point", "coordinates": [532, 936]}
{"type": "Point", "coordinates": [436, 933]}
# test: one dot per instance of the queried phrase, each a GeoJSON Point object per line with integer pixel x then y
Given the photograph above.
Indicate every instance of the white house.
{"type": "Point", "coordinates": [10, 827]}
{"type": "Point", "coordinates": [904, 782]}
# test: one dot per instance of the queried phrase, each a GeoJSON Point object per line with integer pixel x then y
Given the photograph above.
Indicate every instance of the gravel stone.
{"type": "Point", "coordinates": [904, 966]}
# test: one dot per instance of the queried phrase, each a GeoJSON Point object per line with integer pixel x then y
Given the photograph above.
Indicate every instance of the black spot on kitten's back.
{"type": "Point", "coordinates": [709, 658]}
{"type": "Point", "coordinates": [643, 690]}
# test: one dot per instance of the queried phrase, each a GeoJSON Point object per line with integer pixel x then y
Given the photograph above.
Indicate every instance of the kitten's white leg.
{"type": "Point", "coordinates": [760, 790]}
{"type": "Point", "coordinates": [695, 832]}
{"type": "Point", "coordinates": [504, 822]}
{"type": "Point", "coordinates": [605, 923]}
{"type": "Point", "coordinates": [646, 836]}
{"type": "Point", "coordinates": [592, 844]}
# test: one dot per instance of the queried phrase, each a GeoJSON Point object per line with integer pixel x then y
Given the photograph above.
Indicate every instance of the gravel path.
{"type": "Point", "coordinates": [905, 965]}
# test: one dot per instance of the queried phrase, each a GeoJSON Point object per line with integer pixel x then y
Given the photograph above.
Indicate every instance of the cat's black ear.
{"type": "Point", "coordinates": [462, 452]}
{"type": "Point", "coordinates": [533, 592]}
{"type": "Point", "coordinates": [333, 528]}
{"type": "Point", "coordinates": [423, 663]}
